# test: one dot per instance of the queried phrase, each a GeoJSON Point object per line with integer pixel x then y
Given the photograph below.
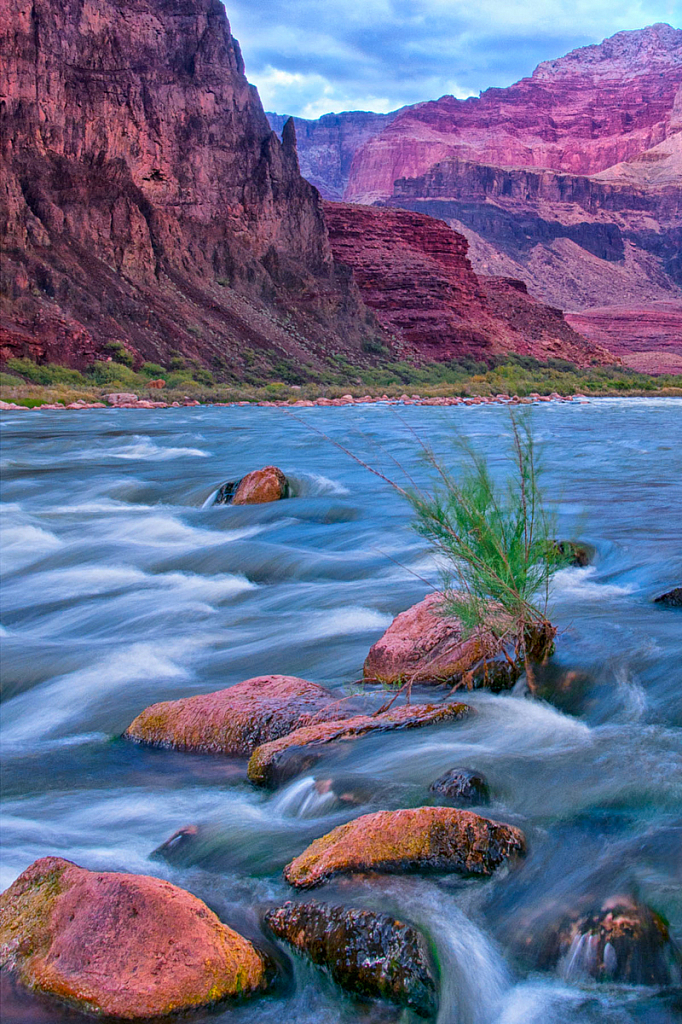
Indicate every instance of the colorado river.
{"type": "Point", "coordinates": [123, 586]}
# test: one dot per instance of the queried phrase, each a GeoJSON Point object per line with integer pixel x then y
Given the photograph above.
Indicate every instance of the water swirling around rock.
{"type": "Point", "coordinates": [124, 586]}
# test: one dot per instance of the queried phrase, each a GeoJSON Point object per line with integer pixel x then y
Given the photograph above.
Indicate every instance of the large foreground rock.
{"type": "Point", "coordinates": [440, 838]}
{"type": "Point", "coordinates": [425, 646]}
{"type": "Point", "coordinates": [364, 952]}
{"type": "Point", "coordinates": [236, 720]}
{"type": "Point", "coordinates": [127, 946]}
{"type": "Point", "coordinates": [281, 759]}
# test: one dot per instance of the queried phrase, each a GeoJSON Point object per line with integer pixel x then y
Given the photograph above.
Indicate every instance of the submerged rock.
{"type": "Point", "coordinates": [365, 952]}
{"type": "Point", "coordinates": [279, 760]}
{"type": "Point", "coordinates": [425, 646]}
{"type": "Point", "coordinates": [618, 940]}
{"type": "Point", "coordinates": [236, 720]}
{"type": "Point", "coordinates": [573, 553]}
{"type": "Point", "coordinates": [440, 838]}
{"type": "Point", "coordinates": [128, 946]}
{"type": "Point", "coordinates": [462, 786]}
{"type": "Point", "coordinates": [257, 488]}
{"type": "Point", "coordinates": [673, 599]}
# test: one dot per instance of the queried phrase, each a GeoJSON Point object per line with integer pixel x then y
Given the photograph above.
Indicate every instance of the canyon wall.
{"type": "Point", "coordinates": [414, 273]}
{"type": "Point", "coordinates": [146, 200]}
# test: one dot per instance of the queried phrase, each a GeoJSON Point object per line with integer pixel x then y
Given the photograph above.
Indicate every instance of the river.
{"type": "Point", "coordinates": [124, 586]}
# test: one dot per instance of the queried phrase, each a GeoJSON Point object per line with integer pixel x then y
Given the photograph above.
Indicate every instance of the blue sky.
{"type": "Point", "coordinates": [308, 57]}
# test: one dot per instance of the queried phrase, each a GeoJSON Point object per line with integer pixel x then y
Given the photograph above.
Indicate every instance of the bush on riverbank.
{"type": "Point", "coordinates": [28, 383]}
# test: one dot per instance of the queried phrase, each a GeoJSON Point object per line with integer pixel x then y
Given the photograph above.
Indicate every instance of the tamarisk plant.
{"type": "Point", "coordinates": [497, 546]}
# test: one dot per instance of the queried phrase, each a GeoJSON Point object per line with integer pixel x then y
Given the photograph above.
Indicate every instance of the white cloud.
{"type": "Point", "coordinates": [309, 57]}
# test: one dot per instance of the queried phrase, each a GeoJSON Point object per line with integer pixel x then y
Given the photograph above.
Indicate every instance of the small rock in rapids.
{"type": "Point", "coordinates": [365, 952]}
{"type": "Point", "coordinates": [462, 786]}
{"type": "Point", "coordinates": [573, 553]}
{"type": "Point", "coordinates": [127, 946]}
{"type": "Point", "coordinates": [426, 646]}
{"type": "Point", "coordinates": [673, 599]}
{"type": "Point", "coordinates": [279, 760]}
{"type": "Point", "coordinates": [257, 488]}
{"type": "Point", "coordinates": [423, 838]}
{"type": "Point", "coordinates": [237, 720]}
{"type": "Point", "coordinates": [618, 940]}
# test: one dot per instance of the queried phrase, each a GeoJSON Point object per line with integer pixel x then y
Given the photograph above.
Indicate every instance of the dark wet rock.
{"type": "Point", "coordinates": [423, 838]}
{"type": "Point", "coordinates": [279, 760]}
{"type": "Point", "coordinates": [257, 488]}
{"type": "Point", "coordinates": [126, 946]}
{"type": "Point", "coordinates": [673, 599]}
{"type": "Point", "coordinates": [364, 952]}
{"type": "Point", "coordinates": [618, 940]}
{"type": "Point", "coordinates": [424, 645]}
{"type": "Point", "coordinates": [461, 786]}
{"type": "Point", "coordinates": [237, 720]}
{"type": "Point", "coordinates": [573, 553]}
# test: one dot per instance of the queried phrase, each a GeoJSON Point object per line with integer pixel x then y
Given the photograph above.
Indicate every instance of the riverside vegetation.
{"type": "Point", "coordinates": [30, 384]}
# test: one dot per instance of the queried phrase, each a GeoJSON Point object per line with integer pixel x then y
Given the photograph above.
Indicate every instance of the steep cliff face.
{"type": "Point", "coordinates": [593, 108]}
{"type": "Point", "coordinates": [646, 337]}
{"type": "Point", "coordinates": [145, 198]}
{"type": "Point", "coordinates": [413, 271]}
{"type": "Point", "coordinates": [327, 146]}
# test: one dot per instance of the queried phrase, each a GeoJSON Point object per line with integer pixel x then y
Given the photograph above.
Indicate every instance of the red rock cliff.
{"type": "Point", "coordinates": [145, 198]}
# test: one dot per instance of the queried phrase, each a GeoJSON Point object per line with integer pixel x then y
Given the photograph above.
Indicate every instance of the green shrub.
{"type": "Point", "coordinates": [152, 370]}
{"type": "Point", "coordinates": [7, 380]}
{"type": "Point", "coordinates": [49, 373]}
{"type": "Point", "coordinates": [119, 353]}
{"type": "Point", "coordinates": [114, 375]}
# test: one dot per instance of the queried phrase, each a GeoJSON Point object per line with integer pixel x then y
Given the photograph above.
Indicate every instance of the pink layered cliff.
{"type": "Point", "coordinates": [582, 113]}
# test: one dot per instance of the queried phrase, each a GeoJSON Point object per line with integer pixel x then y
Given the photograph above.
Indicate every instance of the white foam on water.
{"type": "Point", "coordinates": [539, 1002]}
{"type": "Point", "coordinates": [301, 799]}
{"type": "Point", "coordinates": [24, 543]}
{"type": "Point", "coordinates": [162, 530]}
{"type": "Point", "coordinates": [580, 582]}
{"type": "Point", "coordinates": [342, 621]}
{"type": "Point", "coordinates": [143, 448]}
{"type": "Point", "coordinates": [60, 703]}
{"type": "Point", "coordinates": [313, 485]}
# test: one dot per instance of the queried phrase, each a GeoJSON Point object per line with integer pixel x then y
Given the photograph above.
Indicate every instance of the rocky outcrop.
{"type": "Point", "coordinates": [256, 488]}
{"type": "Point", "coordinates": [673, 599]}
{"type": "Point", "coordinates": [364, 952]}
{"type": "Point", "coordinates": [646, 337]}
{"type": "Point", "coordinates": [461, 786]}
{"type": "Point", "coordinates": [426, 838]}
{"type": "Point", "coordinates": [281, 759]}
{"type": "Point", "coordinates": [146, 200]}
{"type": "Point", "coordinates": [237, 720]}
{"type": "Point", "coordinates": [413, 271]}
{"type": "Point", "coordinates": [126, 946]}
{"type": "Point", "coordinates": [425, 645]}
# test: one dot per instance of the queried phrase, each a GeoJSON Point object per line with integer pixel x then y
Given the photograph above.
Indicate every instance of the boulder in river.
{"type": "Point", "coordinates": [461, 786]}
{"type": "Point", "coordinates": [279, 760]}
{"type": "Point", "coordinates": [618, 940]}
{"type": "Point", "coordinates": [673, 599]}
{"type": "Point", "coordinates": [364, 952]}
{"type": "Point", "coordinates": [126, 946]}
{"type": "Point", "coordinates": [570, 552]}
{"type": "Point", "coordinates": [423, 838]}
{"type": "Point", "coordinates": [425, 646]}
{"type": "Point", "coordinates": [236, 720]}
{"type": "Point", "coordinates": [256, 488]}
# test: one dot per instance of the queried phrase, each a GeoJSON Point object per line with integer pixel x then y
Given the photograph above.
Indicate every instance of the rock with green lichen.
{"type": "Point", "coordinates": [423, 838]}
{"type": "Point", "coordinates": [364, 952]}
{"type": "Point", "coordinates": [126, 946]}
{"type": "Point", "coordinates": [274, 762]}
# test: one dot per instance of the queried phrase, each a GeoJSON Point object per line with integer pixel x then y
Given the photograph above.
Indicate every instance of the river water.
{"type": "Point", "coordinates": [123, 586]}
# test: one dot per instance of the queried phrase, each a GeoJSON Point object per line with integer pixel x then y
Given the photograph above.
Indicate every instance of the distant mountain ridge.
{"type": "Point", "coordinates": [571, 179]}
